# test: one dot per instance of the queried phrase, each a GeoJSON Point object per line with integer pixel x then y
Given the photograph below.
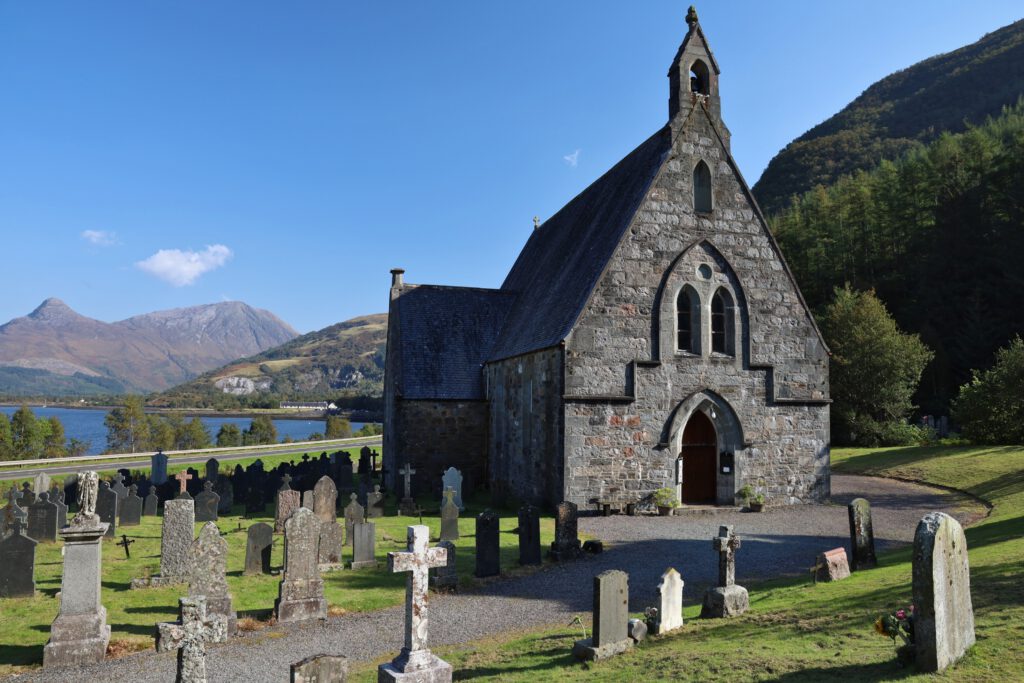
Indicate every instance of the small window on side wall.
{"type": "Point", "coordinates": [723, 333]}
{"type": "Point", "coordinates": [702, 188]}
{"type": "Point", "coordinates": [688, 321]}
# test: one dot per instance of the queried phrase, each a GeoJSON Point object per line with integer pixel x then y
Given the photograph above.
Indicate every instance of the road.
{"type": "Point", "coordinates": [28, 473]}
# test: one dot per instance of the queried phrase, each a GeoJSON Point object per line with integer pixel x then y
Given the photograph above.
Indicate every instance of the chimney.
{"type": "Point", "coordinates": [396, 277]}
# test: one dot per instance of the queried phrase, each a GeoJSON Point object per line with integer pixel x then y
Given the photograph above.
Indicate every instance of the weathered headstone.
{"type": "Point", "coordinates": [12, 511]}
{"type": "Point", "coordinates": [726, 599]}
{"type": "Point", "coordinates": [151, 504]}
{"type": "Point", "coordinates": [488, 545]}
{"type": "Point", "coordinates": [364, 460]}
{"type": "Point", "coordinates": [307, 500]}
{"type": "Point", "coordinates": [189, 636]}
{"type": "Point", "coordinates": [611, 618]}
{"type": "Point", "coordinates": [325, 500]}
{"type": "Point", "coordinates": [106, 507]}
{"type": "Point", "coordinates": [117, 485]}
{"type": "Point", "coordinates": [301, 593]}
{"type": "Point", "coordinates": [862, 535]}
{"type": "Point", "coordinates": [832, 565]}
{"type": "Point", "coordinates": [176, 535]}
{"type": "Point", "coordinates": [57, 498]}
{"type": "Point", "coordinates": [416, 662]}
{"type": "Point", "coordinates": [407, 506]}
{"type": "Point", "coordinates": [320, 669]}
{"type": "Point", "coordinates": [332, 540]}
{"type": "Point", "coordinates": [375, 502]}
{"type": "Point", "coordinates": [226, 495]}
{"type": "Point", "coordinates": [41, 482]}
{"type": "Point", "coordinates": [158, 468]}
{"type": "Point", "coordinates": [529, 535]}
{"type": "Point", "coordinates": [670, 603]}
{"type": "Point", "coordinates": [353, 513]}
{"type": "Point", "coordinates": [452, 479]}
{"type": "Point", "coordinates": [212, 472]}
{"type": "Point", "coordinates": [363, 552]}
{"type": "Point", "coordinates": [79, 635]}
{"type": "Point", "coordinates": [208, 578]}
{"type": "Point", "coordinates": [130, 513]}
{"type": "Point", "coordinates": [207, 503]}
{"type": "Point", "coordinates": [42, 520]}
{"type": "Point", "coordinates": [449, 517]}
{"type": "Point", "coordinates": [943, 612]}
{"type": "Point", "coordinates": [258, 543]}
{"type": "Point", "coordinates": [28, 496]}
{"type": "Point", "coordinates": [18, 560]}
{"type": "Point", "coordinates": [566, 545]}
{"type": "Point", "coordinates": [287, 502]}
{"type": "Point", "coordinates": [447, 577]}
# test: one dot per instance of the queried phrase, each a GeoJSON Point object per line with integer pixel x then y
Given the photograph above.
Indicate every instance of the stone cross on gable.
{"type": "Point", "coordinates": [407, 471]}
{"type": "Point", "coordinates": [182, 477]}
{"type": "Point", "coordinates": [190, 636]}
{"type": "Point", "coordinates": [727, 543]}
{"type": "Point", "coordinates": [417, 560]}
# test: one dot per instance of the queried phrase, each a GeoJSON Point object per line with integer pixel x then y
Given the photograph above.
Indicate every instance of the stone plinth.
{"type": "Point", "coordinates": [725, 601]}
{"type": "Point", "coordinates": [320, 669]}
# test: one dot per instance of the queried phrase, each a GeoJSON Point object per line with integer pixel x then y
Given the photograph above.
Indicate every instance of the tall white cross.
{"type": "Point", "coordinates": [418, 560]}
{"type": "Point", "coordinates": [407, 471]}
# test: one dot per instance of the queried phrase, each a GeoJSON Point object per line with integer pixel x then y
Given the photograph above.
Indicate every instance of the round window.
{"type": "Point", "coordinates": [704, 270]}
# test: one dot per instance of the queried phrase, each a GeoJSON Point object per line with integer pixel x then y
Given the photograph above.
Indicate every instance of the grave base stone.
{"type": "Point", "coordinates": [832, 565]}
{"type": "Point", "coordinates": [320, 669]}
{"type": "Point", "coordinates": [728, 601]}
{"type": "Point", "coordinates": [430, 669]}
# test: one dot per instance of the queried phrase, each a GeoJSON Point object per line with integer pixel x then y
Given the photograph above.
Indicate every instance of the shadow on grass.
{"type": "Point", "coordinates": [883, 671]}
{"type": "Point", "coordinates": [153, 609]}
{"type": "Point", "coordinates": [551, 658]}
{"type": "Point", "coordinates": [139, 629]}
{"type": "Point", "coordinates": [21, 654]}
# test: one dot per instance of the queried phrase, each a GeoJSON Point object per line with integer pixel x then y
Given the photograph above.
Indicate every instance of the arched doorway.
{"type": "Point", "coordinates": [700, 460]}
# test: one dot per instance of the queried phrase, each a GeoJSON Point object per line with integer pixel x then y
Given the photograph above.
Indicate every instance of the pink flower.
{"type": "Point", "coordinates": [901, 614]}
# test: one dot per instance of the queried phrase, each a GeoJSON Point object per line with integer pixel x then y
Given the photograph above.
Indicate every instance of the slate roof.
{"type": "Point", "coordinates": [446, 334]}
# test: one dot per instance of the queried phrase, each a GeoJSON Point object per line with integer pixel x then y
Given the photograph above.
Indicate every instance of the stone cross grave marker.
{"type": "Point", "coordinates": [107, 503]}
{"type": "Point", "coordinates": [118, 487]}
{"type": "Point", "coordinates": [363, 552]}
{"type": "Point", "coordinates": [862, 535]}
{"type": "Point", "coordinates": [183, 478]}
{"type": "Point", "coordinates": [488, 545]}
{"type": "Point", "coordinates": [611, 618]}
{"type": "Point", "coordinates": [189, 637]}
{"type": "Point", "coordinates": [447, 577]}
{"type": "Point", "coordinates": [208, 578]}
{"type": "Point", "coordinates": [41, 482]}
{"type": "Point", "coordinates": [18, 559]}
{"type": "Point", "coordinates": [301, 592]}
{"type": "Point", "coordinates": [12, 511]}
{"type": "Point", "coordinates": [325, 500]}
{"type": "Point", "coordinates": [28, 496]}
{"type": "Point", "coordinates": [124, 543]}
{"type": "Point", "coordinates": [130, 513]}
{"type": "Point", "coordinates": [207, 503]}
{"type": "Point", "coordinates": [353, 513]}
{"type": "Point", "coordinates": [529, 535]}
{"type": "Point", "coordinates": [407, 506]}
{"type": "Point", "coordinates": [57, 498]}
{"type": "Point", "coordinates": [726, 599]}
{"type": "Point", "coordinates": [452, 479]}
{"type": "Point", "coordinates": [670, 603]}
{"type": "Point", "coordinates": [152, 502]}
{"type": "Point", "coordinates": [832, 565]}
{"type": "Point", "coordinates": [941, 584]}
{"type": "Point", "coordinates": [416, 661]}
{"type": "Point", "coordinates": [42, 520]}
{"type": "Point", "coordinates": [320, 669]}
{"type": "Point", "coordinates": [566, 545]}
{"type": "Point", "coordinates": [212, 472]}
{"type": "Point", "coordinates": [375, 502]}
{"type": "Point", "coordinates": [449, 517]}
{"type": "Point", "coordinates": [158, 468]}
{"type": "Point", "coordinates": [258, 543]}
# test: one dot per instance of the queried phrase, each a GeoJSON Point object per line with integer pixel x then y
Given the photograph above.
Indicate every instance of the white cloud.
{"type": "Point", "coordinates": [183, 267]}
{"type": "Point", "coordinates": [572, 159]}
{"type": "Point", "coordinates": [99, 238]}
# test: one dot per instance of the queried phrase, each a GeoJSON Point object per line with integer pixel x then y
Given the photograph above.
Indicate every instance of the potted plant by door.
{"type": "Point", "coordinates": [666, 501]}
{"type": "Point", "coordinates": [757, 503]}
{"type": "Point", "coordinates": [754, 502]}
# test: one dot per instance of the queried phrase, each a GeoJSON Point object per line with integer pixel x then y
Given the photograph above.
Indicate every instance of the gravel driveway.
{"type": "Point", "coordinates": [776, 542]}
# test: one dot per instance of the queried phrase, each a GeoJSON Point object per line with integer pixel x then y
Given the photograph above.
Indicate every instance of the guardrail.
{"type": "Point", "coordinates": [354, 441]}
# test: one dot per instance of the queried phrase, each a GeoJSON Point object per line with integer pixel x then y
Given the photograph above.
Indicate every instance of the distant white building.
{"type": "Point", "coordinates": [308, 405]}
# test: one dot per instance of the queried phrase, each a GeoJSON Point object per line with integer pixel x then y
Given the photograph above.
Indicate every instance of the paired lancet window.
{"type": "Point", "coordinates": [702, 188]}
{"type": "Point", "coordinates": [722, 322]}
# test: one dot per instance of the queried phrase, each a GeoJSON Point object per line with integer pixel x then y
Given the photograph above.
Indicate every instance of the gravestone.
{"type": "Point", "coordinates": [259, 540]}
{"type": "Point", "coordinates": [416, 663]}
{"type": "Point", "coordinates": [255, 503]}
{"type": "Point", "coordinates": [143, 487]}
{"type": "Point", "coordinates": [363, 552]}
{"type": "Point", "coordinates": [307, 500]}
{"type": "Point", "coordinates": [943, 612]}
{"type": "Point", "coordinates": [611, 618]}
{"type": "Point", "coordinates": [207, 503]}
{"type": "Point", "coordinates": [449, 517]}
{"type": "Point", "coordinates": [183, 477]}
{"type": "Point", "coordinates": [41, 482]}
{"type": "Point", "coordinates": [375, 503]}
{"type": "Point", "coordinates": [488, 545]}
{"type": "Point", "coordinates": [446, 577]}
{"type": "Point", "coordinates": [301, 592]}
{"type": "Point", "coordinates": [529, 535]}
{"type": "Point", "coordinates": [79, 635]}
{"type": "Point", "coordinates": [862, 535]}
{"type": "Point", "coordinates": [832, 565]}
{"type": "Point", "coordinates": [364, 461]}
{"type": "Point", "coordinates": [57, 498]}
{"type": "Point", "coordinates": [18, 559]}
{"type": "Point", "coordinates": [189, 636]}
{"type": "Point", "coordinates": [193, 483]}
{"type": "Point", "coordinates": [226, 495]}
{"type": "Point", "coordinates": [452, 479]}
{"type": "Point", "coordinates": [28, 496]}
{"type": "Point", "coordinates": [726, 599]}
{"type": "Point", "coordinates": [106, 507]}
{"type": "Point", "coordinates": [239, 483]}
{"type": "Point", "coordinates": [287, 502]}
{"type": "Point", "coordinates": [325, 500]}
{"type": "Point", "coordinates": [566, 545]}
{"type": "Point", "coordinates": [176, 535]}
{"type": "Point", "coordinates": [343, 470]}
{"type": "Point", "coordinates": [212, 472]}
{"type": "Point", "coordinates": [670, 603]}
{"type": "Point", "coordinates": [353, 513]}
{"type": "Point", "coordinates": [208, 578]}
{"type": "Point", "coordinates": [407, 506]}
{"type": "Point", "coordinates": [150, 505]}
{"type": "Point", "coordinates": [117, 485]}
{"type": "Point", "coordinates": [130, 513]}
{"type": "Point", "coordinates": [332, 540]}
{"type": "Point", "coordinates": [12, 511]}
{"type": "Point", "coordinates": [42, 520]}
{"type": "Point", "coordinates": [320, 669]}
{"type": "Point", "coordinates": [158, 468]}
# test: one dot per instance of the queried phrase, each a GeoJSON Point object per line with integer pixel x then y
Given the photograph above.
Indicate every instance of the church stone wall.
{"type": "Point", "coordinates": [436, 435]}
{"type": "Point", "coordinates": [777, 383]}
{"type": "Point", "coordinates": [525, 396]}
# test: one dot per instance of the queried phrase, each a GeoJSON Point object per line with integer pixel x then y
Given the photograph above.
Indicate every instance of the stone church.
{"type": "Point", "coordinates": [649, 335]}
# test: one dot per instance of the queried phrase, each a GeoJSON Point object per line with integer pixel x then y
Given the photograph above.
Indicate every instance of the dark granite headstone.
{"type": "Point", "coordinates": [258, 544]}
{"type": "Point", "coordinates": [12, 511]}
{"type": "Point", "coordinates": [117, 485]}
{"type": "Point", "coordinates": [212, 469]}
{"type": "Point", "coordinates": [353, 513]}
{"type": "Point", "coordinates": [206, 503]}
{"type": "Point", "coordinates": [18, 559]}
{"type": "Point", "coordinates": [364, 460]}
{"type": "Point", "coordinates": [106, 507]}
{"type": "Point", "coordinates": [488, 545]}
{"type": "Point", "coordinates": [611, 618]}
{"type": "Point", "coordinates": [529, 535]}
{"type": "Point", "coordinates": [57, 498]}
{"type": "Point", "coordinates": [42, 520]}
{"type": "Point", "coordinates": [343, 471]}
{"type": "Point", "coordinates": [151, 503]}
{"type": "Point", "coordinates": [566, 545]}
{"type": "Point", "coordinates": [130, 512]}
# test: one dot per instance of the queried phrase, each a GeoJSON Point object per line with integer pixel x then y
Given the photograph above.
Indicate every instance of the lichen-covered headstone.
{"type": "Point", "coordinates": [529, 535]}
{"type": "Point", "coordinates": [943, 612]}
{"type": "Point", "coordinates": [566, 545]}
{"type": "Point", "coordinates": [18, 560]}
{"type": "Point", "coordinates": [301, 592]}
{"type": "Point", "coordinates": [332, 541]}
{"type": "Point", "coordinates": [320, 669]}
{"type": "Point", "coordinates": [488, 545]}
{"type": "Point", "coordinates": [611, 618]}
{"type": "Point", "coordinates": [287, 502]}
{"type": "Point", "coordinates": [670, 603]}
{"type": "Point", "coordinates": [259, 541]}
{"type": "Point", "coordinates": [130, 513]}
{"type": "Point", "coordinates": [208, 577]}
{"type": "Point", "coordinates": [363, 548]}
{"type": "Point", "coordinates": [12, 511]}
{"type": "Point", "coordinates": [862, 535]}
{"type": "Point", "coordinates": [726, 599]}
{"type": "Point", "coordinates": [325, 500]}
{"type": "Point", "coordinates": [176, 535]}
{"type": "Point", "coordinates": [207, 503]}
{"type": "Point", "coordinates": [354, 513]}
{"type": "Point", "coordinates": [189, 636]}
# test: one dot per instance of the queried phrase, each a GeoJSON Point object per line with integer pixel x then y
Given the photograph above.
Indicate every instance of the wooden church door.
{"type": "Point", "coordinates": [700, 460]}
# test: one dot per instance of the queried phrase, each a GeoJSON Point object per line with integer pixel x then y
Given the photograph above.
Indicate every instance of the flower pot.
{"type": "Point", "coordinates": [665, 510]}
{"type": "Point", "coordinates": [756, 507]}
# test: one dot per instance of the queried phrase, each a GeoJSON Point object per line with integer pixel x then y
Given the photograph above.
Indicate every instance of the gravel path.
{"type": "Point", "coordinates": [777, 542]}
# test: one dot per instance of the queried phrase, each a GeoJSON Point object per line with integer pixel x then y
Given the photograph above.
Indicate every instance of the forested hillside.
{"type": "Point", "coordinates": [938, 234]}
{"type": "Point", "coordinates": [914, 105]}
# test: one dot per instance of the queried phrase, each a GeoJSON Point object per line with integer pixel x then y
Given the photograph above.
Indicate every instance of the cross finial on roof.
{"type": "Point", "coordinates": [536, 222]}
{"type": "Point", "coordinates": [691, 16]}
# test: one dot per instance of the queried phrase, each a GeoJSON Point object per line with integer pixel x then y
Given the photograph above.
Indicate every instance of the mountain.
{"type": "Point", "coordinates": [56, 351]}
{"type": "Point", "coordinates": [944, 93]}
{"type": "Point", "coordinates": [345, 359]}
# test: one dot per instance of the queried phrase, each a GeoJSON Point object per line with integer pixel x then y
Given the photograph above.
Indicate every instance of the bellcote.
{"type": "Point", "coordinates": [693, 76]}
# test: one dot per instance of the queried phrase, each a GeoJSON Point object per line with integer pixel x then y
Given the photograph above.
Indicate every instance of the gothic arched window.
{"type": "Point", "coordinates": [723, 333]}
{"type": "Point", "coordinates": [688, 321]}
{"type": "Point", "coordinates": [702, 188]}
{"type": "Point", "coordinates": [699, 81]}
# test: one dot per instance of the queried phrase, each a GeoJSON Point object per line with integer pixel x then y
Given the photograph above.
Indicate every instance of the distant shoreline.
{"type": "Point", "coordinates": [184, 412]}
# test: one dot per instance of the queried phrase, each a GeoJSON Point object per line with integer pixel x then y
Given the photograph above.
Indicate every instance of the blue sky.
{"type": "Point", "coordinates": [157, 154]}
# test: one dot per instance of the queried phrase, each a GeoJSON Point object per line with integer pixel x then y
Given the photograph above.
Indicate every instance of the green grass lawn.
{"type": "Point", "coordinates": [795, 631]}
{"type": "Point", "coordinates": [132, 614]}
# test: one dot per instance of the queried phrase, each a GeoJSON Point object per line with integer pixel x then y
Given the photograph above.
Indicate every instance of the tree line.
{"type": "Point", "coordinates": [23, 436]}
